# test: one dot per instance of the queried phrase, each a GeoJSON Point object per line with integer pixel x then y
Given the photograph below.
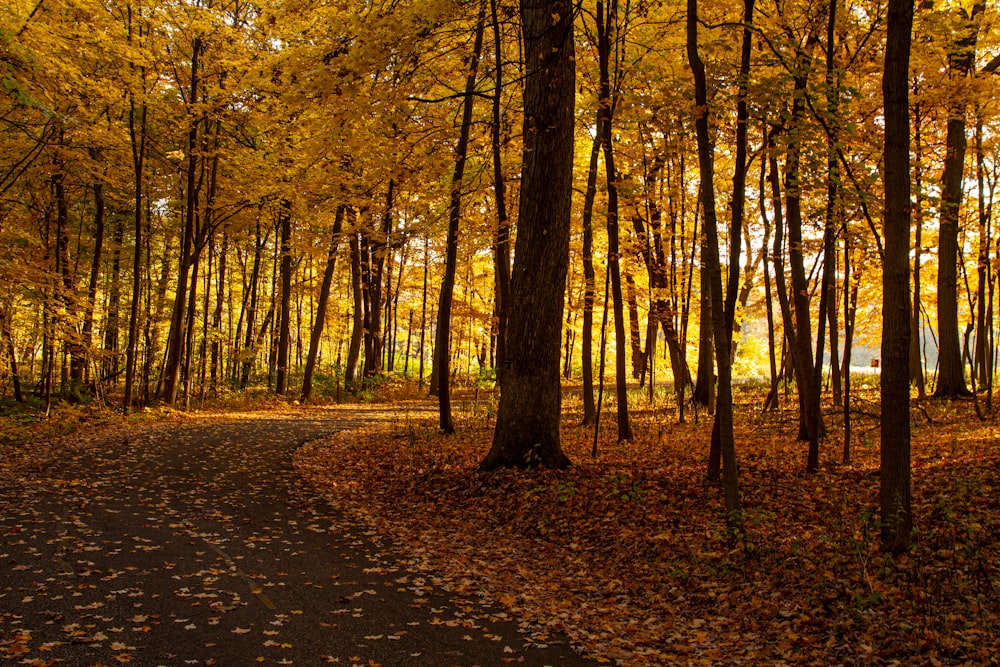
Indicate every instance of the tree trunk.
{"type": "Point", "coordinates": [811, 428]}
{"type": "Point", "coordinates": [527, 426]}
{"type": "Point", "coordinates": [704, 386]}
{"type": "Point", "coordinates": [78, 370]}
{"type": "Point", "coordinates": [442, 358]}
{"type": "Point", "coordinates": [589, 283]}
{"type": "Point", "coordinates": [916, 333]}
{"type": "Point", "coordinates": [15, 377]}
{"type": "Point", "coordinates": [358, 319]}
{"type": "Point", "coordinates": [730, 481]}
{"type": "Point", "coordinates": [951, 374]}
{"type": "Point", "coordinates": [285, 311]}
{"type": "Point", "coordinates": [606, 22]}
{"type": "Point", "coordinates": [249, 348]}
{"type": "Point", "coordinates": [896, 512]}
{"type": "Point", "coordinates": [983, 366]}
{"type": "Point", "coordinates": [216, 337]}
{"type": "Point", "coordinates": [112, 317]}
{"type": "Point", "coordinates": [423, 314]}
{"type": "Point", "coordinates": [324, 298]}
{"type": "Point", "coordinates": [828, 300]}
{"type": "Point", "coordinates": [175, 341]}
{"type": "Point", "coordinates": [501, 253]}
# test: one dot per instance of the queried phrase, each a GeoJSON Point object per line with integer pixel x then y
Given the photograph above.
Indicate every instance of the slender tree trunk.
{"type": "Point", "coordinates": [916, 333]}
{"type": "Point", "coordinates": [704, 386]}
{"type": "Point", "coordinates": [828, 300]}
{"type": "Point", "coordinates": [79, 368]}
{"type": "Point", "coordinates": [423, 313]}
{"type": "Point", "coordinates": [607, 20]}
{"type": "Point", "coordinates": [220, 293]}
{"type": "Point", "coordinates": [249, 348]}
{"type": "Point", "coordinates": [771, 402]}
{"type": "Point", "coordinates": [811, 428]}
{"type": "Point", "coordinates": [850, 303]}
{"type": "Point", "coordinates": [710, 254]}
{"type": "Point", "coordinates": [324, 298]}
{"type": "Point", "coordinates": [112, 317]}
{"type": "Point", "coordinates": [589, 283]}
{"type": "Point", "coordinates": [15, 377]}
{"type": "Point", "coordinates": [951, 376]}
{"type": "Point", "coordinates": [175, 342]}
{"type": "Point", "coordinates": [358, 323]}
{"type": "Point", "coordinates": [635, 338]}
{"type": "Point", "coordinates": [442, 357]}
{"type": "Point", "coordinates": [896, 511]}
{"type": "Point", "coordinates": [501, 256]}
{"type": "Point", "coordinates": [983, 366]}
{"type": "Point", "coordinates": [737, 209]}
{"type": "Point", "coordinates": [285, 312]}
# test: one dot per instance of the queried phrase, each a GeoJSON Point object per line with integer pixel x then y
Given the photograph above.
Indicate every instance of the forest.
{"type": "Point", "coordinates": [304, 199]}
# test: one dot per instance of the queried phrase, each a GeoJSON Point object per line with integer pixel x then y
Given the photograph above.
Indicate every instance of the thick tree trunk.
{"type": "Point", "coordinates": [896, 512]}
{"type": "Point", "coordinates": [527, 426]}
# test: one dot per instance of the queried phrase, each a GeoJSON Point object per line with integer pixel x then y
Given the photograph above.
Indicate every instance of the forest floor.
{"type": "Point", "coordinates": [627, 552]}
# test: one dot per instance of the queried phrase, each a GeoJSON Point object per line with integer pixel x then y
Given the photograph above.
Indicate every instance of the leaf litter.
{"type": "Point", "coordinates": [628, 555]}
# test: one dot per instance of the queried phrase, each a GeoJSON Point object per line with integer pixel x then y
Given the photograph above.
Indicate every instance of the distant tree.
{"type": "Point", "coordinates": [961, 53]}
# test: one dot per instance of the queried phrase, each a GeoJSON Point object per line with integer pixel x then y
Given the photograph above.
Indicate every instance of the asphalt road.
{"type": "Point", "coordinates": [198, 544]}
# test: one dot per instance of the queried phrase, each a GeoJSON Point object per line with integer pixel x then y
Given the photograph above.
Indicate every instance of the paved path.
{"type": "Point", "coordinates": [198, 544]}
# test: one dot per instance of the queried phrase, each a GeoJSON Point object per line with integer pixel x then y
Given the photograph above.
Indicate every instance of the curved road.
{"type": "Point", "coordinates": [198, 544]}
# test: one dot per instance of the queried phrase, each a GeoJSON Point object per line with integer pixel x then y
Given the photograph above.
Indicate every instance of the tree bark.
{"type": "Point", "coordinates": [916, 356]}
{"type": "Point", "coordinates": [951, 374]}
{"type": "Point", "coordinates": [589, 283]}
{"type": "Point", "coordinates": [811, 428]}
{"type": "Point", "coordinates": [324, 299]}
{"type": "Point", "coordinates": [175, 341]}
{"type": "Point", "coordinates": [442, 356]}
{"type": "Point", "coordinates": [896, 512]}
{"type": "Point", "coordinates": [78, 371]}
{"type": "Point", "coordinates": [284, 316]}
{"type": "Point", "coordinates": [527, 426]}
{"type": "Point", "coordinates": [710, 250]}
{"type": "Point", "coordinates": [358, 323]}
{"type": "Point", "coordinates": [607, 19]}
{"type": "Point", "coordinates": [501, 253]}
